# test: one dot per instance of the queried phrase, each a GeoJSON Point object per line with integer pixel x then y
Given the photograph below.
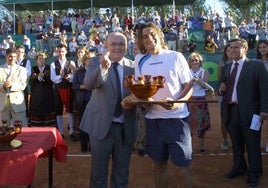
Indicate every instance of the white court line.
{"type": "Point", "coordinates": [196, 154]}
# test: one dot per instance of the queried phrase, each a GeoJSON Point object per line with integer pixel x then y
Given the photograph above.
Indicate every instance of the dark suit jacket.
{"type": "Point", "coordinates": [79, 95]}
{"type": "Point", "coordinates": [252, 90]}
{"type": "Point", "coordinates": [98, 115]}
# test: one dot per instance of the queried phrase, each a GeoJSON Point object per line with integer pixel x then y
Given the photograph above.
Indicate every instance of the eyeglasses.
{"type": "Point", "coordinates": [121, 45]}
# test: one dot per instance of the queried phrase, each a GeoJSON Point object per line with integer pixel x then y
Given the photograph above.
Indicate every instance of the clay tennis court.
{"type": "Point", "coordinates": [207, 170]}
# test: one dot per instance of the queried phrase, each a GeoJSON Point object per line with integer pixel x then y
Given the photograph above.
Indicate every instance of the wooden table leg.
{"type": "Point", "coordinates": [50, 168]}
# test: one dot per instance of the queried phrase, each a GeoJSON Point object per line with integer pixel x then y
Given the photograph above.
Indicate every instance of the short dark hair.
{"type": "Point", "coordinates": [10, 51]}
{"type": "Point", "coordinates": [62, 46]}
{"type": "Point", "coordinates": [20, 46]}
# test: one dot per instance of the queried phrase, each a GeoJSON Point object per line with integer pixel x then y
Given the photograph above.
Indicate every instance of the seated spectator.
{"type": "Point", "coordinates": [26, 41]}
{"type": "Point", "coordinates": [171, 38]}
{"type": "Point", "coordinates": [211, 46]}
{"type": "Point", "coordinates": [32, 53]}
{"type": "Point", "coordinates": [192, 45]}
{"type": "Point", "coordinates": [82, 38]}
{"type": "Point", "coordinates": [118, 28]}
{"type": "Point", "coordinates": [3, 47]}
{"type": "Point", "coordinates": [72, 47]}
{"type": "Point", "coordinates": [243, 31]}
{"type": "Point", "coordinates": [11, 42]}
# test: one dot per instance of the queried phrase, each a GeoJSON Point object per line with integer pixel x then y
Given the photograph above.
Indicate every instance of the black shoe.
{"type": "Point", "coordinates": [73, 138]}
{"type": "Point", "coordinates": [141, 152]}
{"type": "Point", "coordinates": [253, 182]}
{"type": "Point", "coordinates": [234, 174]}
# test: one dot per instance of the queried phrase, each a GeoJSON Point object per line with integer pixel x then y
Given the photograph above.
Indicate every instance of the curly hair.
{"type": "Point", "coordinates": [158, 32]}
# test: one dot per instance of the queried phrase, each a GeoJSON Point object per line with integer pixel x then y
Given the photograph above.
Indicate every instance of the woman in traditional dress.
{"type": "Point", "coordinates": [42, 110]}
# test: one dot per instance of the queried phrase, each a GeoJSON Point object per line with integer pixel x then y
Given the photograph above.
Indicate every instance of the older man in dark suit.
{"type": "Point", "coordinates": [243, 84]}
{"type": "Point", "coordinates": [112, 130]}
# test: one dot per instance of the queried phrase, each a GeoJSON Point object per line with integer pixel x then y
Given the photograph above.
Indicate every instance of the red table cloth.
{"type": "Point", "coordinates": [17, 166]}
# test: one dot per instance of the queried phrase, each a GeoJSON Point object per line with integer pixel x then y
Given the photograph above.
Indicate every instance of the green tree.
{"type": "Point", "coordinates": [245, 9]}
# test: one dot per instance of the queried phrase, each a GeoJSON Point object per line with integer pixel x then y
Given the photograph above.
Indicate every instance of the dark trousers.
{"type": "Point", "coordinates": [84, 137]}
{"type": "Point", "coordinates": [114, 144]}
{"type": "Point", "coordinates": [25, 91]}
{"type": "Point", "coordinates": [251, 41]}
{"type": "Point", "coordinates": [244, 138]}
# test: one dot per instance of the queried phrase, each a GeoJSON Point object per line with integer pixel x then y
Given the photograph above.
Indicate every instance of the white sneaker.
{"type": "Point", "coordinates": [224, 145]}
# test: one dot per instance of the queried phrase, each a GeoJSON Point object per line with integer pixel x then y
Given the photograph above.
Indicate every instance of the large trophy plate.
{"type": "Point", "coordinates": [146, 86]}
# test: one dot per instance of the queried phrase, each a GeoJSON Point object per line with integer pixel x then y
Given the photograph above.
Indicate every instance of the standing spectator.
{"type": "Point", "coordinates": [39, 21]}
{"type": "Point", "coordinates": [226, 58]}
{"type": "Point", "coordinates": [62, 72]}
{"type": "Point", "coordinates": [228, 22]}
{"type": "Point", "coordinates": [252, 26]}
{"type": "Point", "coordinates": [261, 31]}
{"type": "Point", "coordinates": [80, 22]}
{"type": "Point", "coordinates": [182, 36]}
{"type": "Point", "coordinates": [49, 20]}
{"type": "Point", "coordinates": [42, 112]}
{"type": "Point", "coordinates": [23, 61]}
{"type": "Point", "coordinates": [167, 121]}
{"type": "Point", "coordinates": [13, 80]}
{"type": "Point", "coordinates": [217, 22]}
{"type": "Point", "coordinates": [74, 23]}
{"type": "Point", "coordinates": [128, 21]}
{"type": "Point", "coordinates": [112, 130]}
{"type": "Point", "coordinates": [66, 23]}
{"type": "Point", "coordinates": [242, 111]}
{"type": "Point", "coordinates": [63, 37]}
{"type": "Point", "coordinates": [51, 39]}
{"type": "Point", "coordinates": [28, 27]}
{"type": "Point", "coordinates": [262, 54]}
{"type": "Point", "coordinates": [57, 22]}
{"type": "Point", "coordinates": [81, 51]}
{"type": "Point", "coordinates": [82, 96]}
{"type": "Point", "coordinates": [88, 24]}
{"type": "Point", "coordinates": [199, 113]}
{"type": "Point", "coordinates": [39, 35]}
{"type": "Point", "coordinates": [114, 21]}
{"type": "Point", "coordinates": [155, 17]}
{"type": "Point", "coordinates": [57, 37]}
{"type": "Point", "coordinates": [207, 26]}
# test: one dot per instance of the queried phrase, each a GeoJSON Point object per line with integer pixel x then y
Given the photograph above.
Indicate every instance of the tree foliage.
{"type": "Point", "coordinates": [246, 9]}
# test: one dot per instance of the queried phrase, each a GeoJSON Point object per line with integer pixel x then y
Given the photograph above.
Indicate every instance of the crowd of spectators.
{"type": "Point", "coordinates": [82, 29]}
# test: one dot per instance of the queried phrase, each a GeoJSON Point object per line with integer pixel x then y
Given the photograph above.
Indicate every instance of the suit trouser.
{"type": "Point", "coordinates": [113, 144]}
{"type": "Point", "coordinates": [9, 114]}
{"type": "Point", "coordinates": [241, 136]}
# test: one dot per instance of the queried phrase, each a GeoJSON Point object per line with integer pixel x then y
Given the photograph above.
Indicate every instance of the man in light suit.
{"type": "Point", "coordinates": [242, 112]}
{"type": "Point", "coordinates": [110, 133]}
{"type": "Point", "coordinates": [13, 80]}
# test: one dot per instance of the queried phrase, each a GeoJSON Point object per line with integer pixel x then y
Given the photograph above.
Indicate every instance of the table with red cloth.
{"type": "Point", "coordinates": [17, 166]}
